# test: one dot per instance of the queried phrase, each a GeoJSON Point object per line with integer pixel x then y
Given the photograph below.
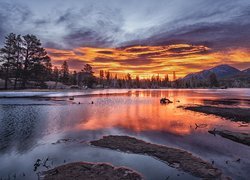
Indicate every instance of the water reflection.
{"type": "Point", "coordinates": [28, 127]}
{"type": "Point", "coordinates": [141, 111]}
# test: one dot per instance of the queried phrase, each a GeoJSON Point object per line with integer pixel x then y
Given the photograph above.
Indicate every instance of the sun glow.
{"type": "Point", "coordinates": [146, 61]}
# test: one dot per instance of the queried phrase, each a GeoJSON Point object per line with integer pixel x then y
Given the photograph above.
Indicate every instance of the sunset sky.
{"type": "Point", "coordinates": [141, 37]}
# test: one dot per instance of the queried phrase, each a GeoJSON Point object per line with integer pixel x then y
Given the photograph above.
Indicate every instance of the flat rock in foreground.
{"type": "Point", "coordinates": [242, 138]}
{"type": "Point", "coordinates": [235, 114]}
{"type": "Point", "coordinates": [174, 157]}
{"type": "Point", "coordinates": [90, 171]}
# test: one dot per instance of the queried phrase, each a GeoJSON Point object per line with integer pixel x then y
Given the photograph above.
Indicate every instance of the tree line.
{"type": "Point", "coordinates": [24, 63]}
{"type": "Point", "coordinates": [23, 59]}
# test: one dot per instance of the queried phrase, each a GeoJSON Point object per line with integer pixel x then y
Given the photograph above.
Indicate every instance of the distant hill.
{"type": "Point", "coordinates": [221, 71]}
{"type": "Point", "coordinates": [227, 76]}
{"type": "Point", "coordinates": [246, 71]}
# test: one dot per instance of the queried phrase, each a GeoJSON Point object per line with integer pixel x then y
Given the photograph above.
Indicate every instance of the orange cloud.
{"type": "Point", "coordinates": [148, 60]}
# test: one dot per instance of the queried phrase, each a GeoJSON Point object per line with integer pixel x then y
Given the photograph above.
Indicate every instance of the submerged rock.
{"type": "Point", "coordinates": [174, 157]}
{"type": "Point", "coordinates": [90, 171]}
{"type": "Point", "coordinates": [242, 138]}
{"type": "Point", "coordinates": [165, 101]}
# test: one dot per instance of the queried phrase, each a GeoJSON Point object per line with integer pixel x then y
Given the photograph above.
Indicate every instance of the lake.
{"type": "Point", "coordinates": [41, 125]}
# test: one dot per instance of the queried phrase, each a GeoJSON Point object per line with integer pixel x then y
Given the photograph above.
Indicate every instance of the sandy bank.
{"type": "Point", "coordinates": [174, 157]}
{"type": "Point", "coordinates": [90, 171]}
{"type": "Point", "coordinates": [242, 138]}
{"type": "Point", "coordinates": [235, 114]}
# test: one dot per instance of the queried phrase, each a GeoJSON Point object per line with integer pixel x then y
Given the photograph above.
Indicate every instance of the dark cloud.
{"type": "Point", "coordinates": [64, 18]}
{"type": "Point", "coordinates": [64, 25]}
{"type": "Point", "coordinates": [53, 45]}
{"type": "Point", "coordinates": [11, 16]}
{"type": "Point", "coordinates": [86, 37]}
{"type": "Point", "coordinates": [219, 29]}
{"type": "Point", "coordinates": [105, 52]}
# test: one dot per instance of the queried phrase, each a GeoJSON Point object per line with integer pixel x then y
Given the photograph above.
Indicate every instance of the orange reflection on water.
{"type": "Point", "coordinates": [141, 111]}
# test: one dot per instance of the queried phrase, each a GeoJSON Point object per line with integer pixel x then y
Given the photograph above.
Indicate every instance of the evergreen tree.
{"type": "Point", "coordinates": [101, 77]}
{"type": "Point", "coordinates": [19, 59]}
{"type": "Point", "coordinates": [213, 80]}
{"type": "Point", "coordinates": [65, 72]}
{"type": "Point", "coordinates": [8, 56]}
{"type": "Point", "coordinates": [55, 74]}
{"type": "Point", "coordinates": [107, 74]}
{"type": "Point", "coordinates": [35, 58]}
{"type": "Point", "coordinates": [137, 81]}
{"type": "Point", "coordinates": [88, 69]}
{"type": "Point", "coordinates": [88, 77]}
{"type": "Point", "coordinates": [74, 78]}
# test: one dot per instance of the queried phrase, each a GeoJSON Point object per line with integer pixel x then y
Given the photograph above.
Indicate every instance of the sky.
{"type": "Point", "coordinates": [143, 37]}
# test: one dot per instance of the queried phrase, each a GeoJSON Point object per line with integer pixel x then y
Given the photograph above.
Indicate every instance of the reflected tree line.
{"type": "Point", "coordinates": [24, 63]}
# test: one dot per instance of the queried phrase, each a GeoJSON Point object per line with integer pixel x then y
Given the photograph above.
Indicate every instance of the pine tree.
{"type": "Point", "coordinates": [65, 72]}
{"type": "Point", "coordinates": [137, 81]}
{"type": "Point", "coordinates": [19, 59]}
{"type": "Point", "coordinates": [35, 58]}
{"type": "Point", "coordinates": [55, 74]}
{"type": "Point", "coordinates": [8, 56]}
{"type": "Point", "coordinates": [88, 77]}
{"type": "Point", "coordinates": [213, 80]}
{"type": "Point", "coordinates": [107, 74]}
{"type": "Point", "coordinates": [88, 69]}
{"type": "Point", "coordinates": [101, 77]}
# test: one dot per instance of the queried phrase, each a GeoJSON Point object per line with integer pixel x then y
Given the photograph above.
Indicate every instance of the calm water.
{"type": "Point", "coordinates": [31, 123]}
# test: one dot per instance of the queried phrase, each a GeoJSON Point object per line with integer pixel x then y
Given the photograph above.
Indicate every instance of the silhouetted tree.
{"type": "Point", "coordinates": [55, 74]}
{"type": "Point", "coordinates": [101, 74]}
{"type": "Point", "coordinates": [8, 56]}
{"type": "Point", "coordinates": [129, 80]}
{"type": "Point", "coordinates": [166, 81]}
{"type": "Point", "coordinates": [137, 81]}
{"type": "Point", "coordinates": [213, 80]}
{"type": "Point", "coordinates": [65, 72]}
{"type": "Point", "coordinates": [35, 58]}
{"type": "Point", "coordinates": [19, 59]}
{"type": "Point", "coordinates": [87, 76]}
{"type": "Point", "coordinates": [74, 78]}
{"type": "Point", "coordinates": [107, 74]}
{"type": "Point", "coordinates": [88, 69]}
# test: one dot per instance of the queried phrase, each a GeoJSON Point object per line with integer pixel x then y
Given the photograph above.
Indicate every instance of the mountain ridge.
{"type": "Point", "coordinates": [221, 71]}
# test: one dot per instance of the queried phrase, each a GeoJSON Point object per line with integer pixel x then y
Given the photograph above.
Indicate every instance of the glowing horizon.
{"type": "Point", "coordinates": [146, 61]}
